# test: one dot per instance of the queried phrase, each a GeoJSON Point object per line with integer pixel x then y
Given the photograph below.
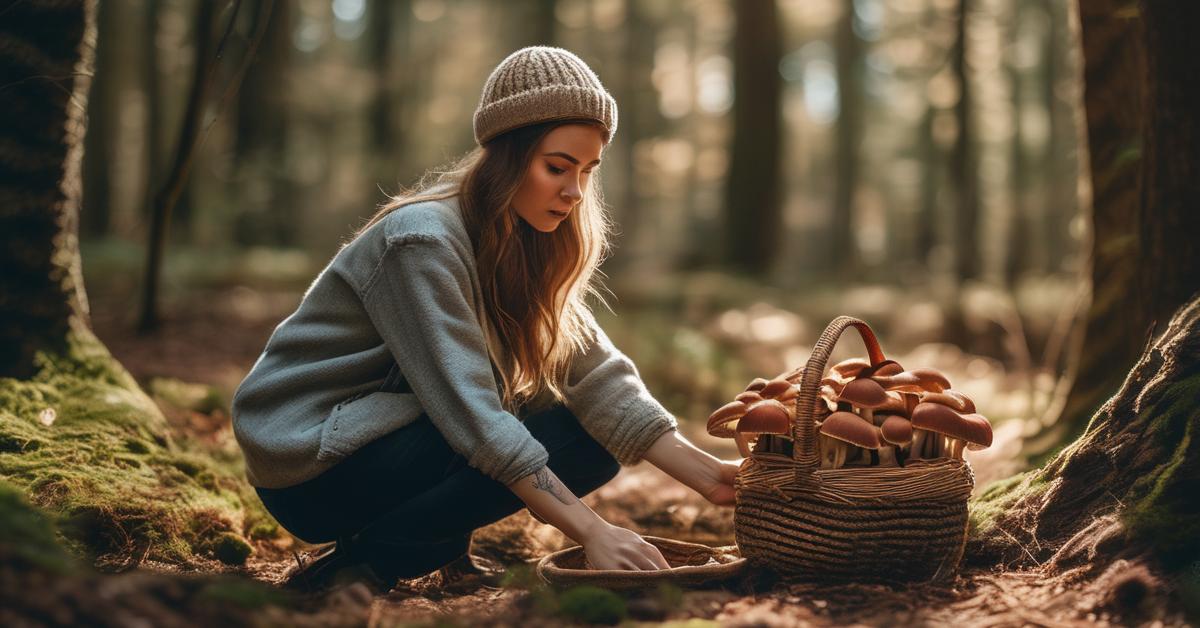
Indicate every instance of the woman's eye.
{"type": "Point", "coordinates": [556, 170]}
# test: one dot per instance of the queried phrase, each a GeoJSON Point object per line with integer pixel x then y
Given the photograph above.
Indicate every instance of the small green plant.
{"type": "Point", "coordinates": [592, 605]}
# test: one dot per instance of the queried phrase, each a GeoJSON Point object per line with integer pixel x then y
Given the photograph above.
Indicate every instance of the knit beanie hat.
{"type": "Point", "coordinates": [539, 84]}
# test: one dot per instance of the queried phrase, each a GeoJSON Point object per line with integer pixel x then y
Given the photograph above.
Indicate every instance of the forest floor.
{"type": "Point", "coordinates": [214, 341]}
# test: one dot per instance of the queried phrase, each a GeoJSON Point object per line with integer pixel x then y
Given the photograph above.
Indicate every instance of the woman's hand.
{"type": "Point", "coordinates": [720, 487]}
{"type": "Point", "coordinates": [612, 547]}
{"type": "Point", "coordinates": [694, 467]}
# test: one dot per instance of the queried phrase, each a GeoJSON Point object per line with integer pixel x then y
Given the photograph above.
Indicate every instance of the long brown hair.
{"type": "Point", "coordinates": [535, 285]}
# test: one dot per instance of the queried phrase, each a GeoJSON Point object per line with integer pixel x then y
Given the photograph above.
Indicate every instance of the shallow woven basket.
{"type": "Point", "coordinates": [860, 524]}
{"type": "Point", "coordinates": [692, 565]}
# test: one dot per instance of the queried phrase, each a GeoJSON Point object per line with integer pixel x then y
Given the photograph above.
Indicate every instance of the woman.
{"type": "Point", "coordinates": [444, 369]}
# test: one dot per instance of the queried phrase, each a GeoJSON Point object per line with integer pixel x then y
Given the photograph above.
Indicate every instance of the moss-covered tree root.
{"type": "Point", "coordinates": [87, 446]}
{"type": "Point", "coordinates": [1126, 488]}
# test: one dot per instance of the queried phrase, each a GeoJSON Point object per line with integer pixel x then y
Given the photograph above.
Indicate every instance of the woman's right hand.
{"type": "Point", "coordinates": [613, 547]}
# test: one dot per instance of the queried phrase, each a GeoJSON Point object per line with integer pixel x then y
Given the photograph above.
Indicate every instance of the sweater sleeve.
{"type": "Point", "coordinates": [418, 301]}
{"type": "Point", "coordinates": [605, 392]}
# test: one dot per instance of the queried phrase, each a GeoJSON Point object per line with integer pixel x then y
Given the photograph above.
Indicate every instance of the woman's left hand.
{"type": "Point", "coordinates": [720, 489]}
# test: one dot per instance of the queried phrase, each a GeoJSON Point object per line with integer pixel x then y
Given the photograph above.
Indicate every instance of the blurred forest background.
{"type": "Point", "coordinates": [916, 163]}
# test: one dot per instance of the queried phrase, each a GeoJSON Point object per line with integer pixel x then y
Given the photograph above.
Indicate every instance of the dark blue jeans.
{"type": "Point", "coordinates": [406, 503]}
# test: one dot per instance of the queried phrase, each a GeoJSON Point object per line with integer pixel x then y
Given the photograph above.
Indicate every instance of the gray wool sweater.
{"type": "Point", "coordinates": [400, 304]}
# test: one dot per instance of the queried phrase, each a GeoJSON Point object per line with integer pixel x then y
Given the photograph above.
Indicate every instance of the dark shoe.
{"type": "Point", "coordinates": [330, 566]}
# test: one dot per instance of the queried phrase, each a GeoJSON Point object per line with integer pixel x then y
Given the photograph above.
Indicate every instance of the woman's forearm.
{"type": "Point", "coordinates": [680, 459]}
{"type": "Point", "coordinates": [551, 500]}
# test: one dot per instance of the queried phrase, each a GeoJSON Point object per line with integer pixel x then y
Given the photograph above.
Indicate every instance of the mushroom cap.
{"type": "Point", "coordinates": [847, 370]}
{"type": "Point", "coordinates": [887, 367]}
{"type": "Point", "coordinates": [896, 430]}
{"type": "Point", "coordinates": [895, 404]}
{"type": "Point", "coordinates": [829, 395]}
{"type": "Point", "coordinates": [951, 398]}
{"type": "Point", "coordinates": [719, 421]}
{"type": "Point", "coordinates": [916, 380]}
{"type": "Point", "coordinates": [972, 428]}
{"type": "Point", "coordinates": [775, 388]}
{"type": "Point", "coordinates": [756, 384]}
{"type": "Point", "coordinates": [748, 397]}
{"type": "Point", "coordinates": [864, 393]}
{"type": "Point", "coordinates": [766, 417]}
{"type": "Point", "coordinates": [851, 428]}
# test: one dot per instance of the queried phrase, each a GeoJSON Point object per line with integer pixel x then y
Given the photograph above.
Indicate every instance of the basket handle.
{"type": "Point", "coordinates": [804, 428]}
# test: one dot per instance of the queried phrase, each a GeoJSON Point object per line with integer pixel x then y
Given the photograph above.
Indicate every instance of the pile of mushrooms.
{"type": "Point", "coordinates": [866, 416]}
{"type": "Point", "coordinates": [888, 416]}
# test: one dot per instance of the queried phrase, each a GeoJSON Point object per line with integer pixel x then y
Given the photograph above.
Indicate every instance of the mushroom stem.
{"type": "Point", "coordinates": [956, 448]}
{"type": "Point", "coordinates": [887, 457]}
{"type": "Point", "coordinates": [917, 451]}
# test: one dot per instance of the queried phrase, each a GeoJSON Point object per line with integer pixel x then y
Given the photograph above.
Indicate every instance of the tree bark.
{"type": "Point", "coordinates": [963, 162]}
{"type": "Point", "coordinates": [1124, 489]}
{"type": "Point", "coordinates": [1169, 260]}
{"type": "Point", "coordinates": [46, 56]}
{"type": "Point", "coordinates": [1114, 333]}
{"type": "Point", "coordinates": [753, 212]}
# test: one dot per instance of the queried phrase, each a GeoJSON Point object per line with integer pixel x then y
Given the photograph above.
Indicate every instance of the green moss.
{"type": "Point", "coordinates": [592, 605]}
{"type": "Point", "coordinates": [1161, 508]}
{"type": "Point", "coordinates": [28, 534]}
{"type": "Point", "coordinates": [109, 466]}
{"type": "Point", "coordinates": [186, 396]}
{"type": "Point", "coordinates": [231, 549]}
{"type": "Point", "coordinates": [996, 498]}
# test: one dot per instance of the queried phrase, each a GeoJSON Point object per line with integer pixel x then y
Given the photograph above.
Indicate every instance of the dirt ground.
{"type": "Point", "coordinates": [215, 341]}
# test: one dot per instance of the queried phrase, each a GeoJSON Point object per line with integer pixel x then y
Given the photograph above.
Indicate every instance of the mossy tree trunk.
{"type": "Point", "coordinates": [1141, 97]}
{"type": "Point", "coordinates": [46, 56]}
{"type": "Point", "coordinates": [1124, 488]}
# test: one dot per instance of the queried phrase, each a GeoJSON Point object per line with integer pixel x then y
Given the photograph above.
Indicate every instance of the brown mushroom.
{"type": "Point", "coordinates": [866, 395]}
{"type": "Point", "coordinates": [847, 370]}
{"type": "Point", "coordinates": [950, 398]}
{"type": "Point", "coordinates": [776, 389]}
{"type": "Point", "coordinates": [748, 397]}
{"type": "Point", "coordinates": [840, 429]}
{"type": "Point", "coordinates": [768, 416]}
{"type": "Point", "coordinates": [722, 420]}
{"type": "Point", "coordinates": [917, 380]}
{"type": "Point", "coordinates": [972, 430]}
{"type": "Point", "coordinates": [886, 367]}
{"type": "Point", "coordinates": [897, 431]}
{"type": "Point", "coordinates": [756, 384]}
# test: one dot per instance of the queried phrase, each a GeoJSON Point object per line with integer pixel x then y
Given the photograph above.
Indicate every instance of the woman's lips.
{"type": "Point", "coordinates": [559, 214]}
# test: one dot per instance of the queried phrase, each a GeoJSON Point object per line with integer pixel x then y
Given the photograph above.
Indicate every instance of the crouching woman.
{"type": "Point", "coordinates": [444, 370]}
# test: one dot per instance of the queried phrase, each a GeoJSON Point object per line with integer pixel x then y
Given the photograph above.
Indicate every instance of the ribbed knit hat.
{"type": "Point", "coordinates": [539, 84]}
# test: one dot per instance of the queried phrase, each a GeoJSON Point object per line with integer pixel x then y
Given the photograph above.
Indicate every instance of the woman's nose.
{"type": "Point", "coordinates": [572, 193]}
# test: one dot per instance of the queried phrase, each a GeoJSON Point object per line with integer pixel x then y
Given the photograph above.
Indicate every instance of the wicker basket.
{"type": "Point", "coordinates": [861, 524]}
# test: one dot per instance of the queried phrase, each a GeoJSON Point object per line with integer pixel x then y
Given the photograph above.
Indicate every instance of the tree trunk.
{"type": "Point", "coordinates": [102, 105]}
{"type": "Point", "coordinates": [1114, 333]}
{"type": "Point", "coordinates": [46, 55]}
{"type": "Point", "coordinates": [1128, 485]}
{"type": "Point", "coordinates": [753, 212]}
{"type": "Point", "coordinates": [1169, 260]}
{"type": "Point", "coordinates": [849, 137]}
{"type": "Point", "coordinates": [965, 171]}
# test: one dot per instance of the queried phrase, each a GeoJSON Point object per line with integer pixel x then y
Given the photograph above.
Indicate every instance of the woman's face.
{"type": "Point", "coordinates": [558, 175]}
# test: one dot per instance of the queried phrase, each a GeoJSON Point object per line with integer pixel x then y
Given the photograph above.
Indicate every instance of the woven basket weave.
{"type": "Point", "coordinates": [860, 524]}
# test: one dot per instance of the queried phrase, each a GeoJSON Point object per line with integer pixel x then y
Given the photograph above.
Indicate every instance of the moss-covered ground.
{"type": "Point", "coordinates": [82, 442]}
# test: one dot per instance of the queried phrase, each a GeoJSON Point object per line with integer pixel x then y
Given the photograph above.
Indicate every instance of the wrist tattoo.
{"type": "Point", "coordinates": [545, 481]}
